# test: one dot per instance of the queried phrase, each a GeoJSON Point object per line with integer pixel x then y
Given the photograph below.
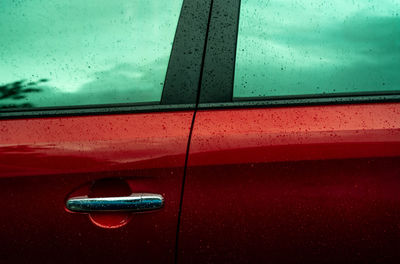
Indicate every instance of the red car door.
{"type": "Point", "coordinates": [295, 150]}
{"type": "Point", "coordinates": [293, 185]}
{"type": "Point", "coordinates": [96, 106]}
{"type": "Point", "coordinates": [45, 161]}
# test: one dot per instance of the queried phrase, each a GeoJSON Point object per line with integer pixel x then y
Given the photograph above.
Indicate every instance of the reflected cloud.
{"type": "Point", "coordinates": [123, 83]}
{"type": "Point", "coordinates": [94, 51]}
{"type": "Point", "coordinates": [308, 47]}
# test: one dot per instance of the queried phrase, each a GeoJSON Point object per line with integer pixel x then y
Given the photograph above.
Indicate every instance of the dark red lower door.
{"type": "Point", "coordinates": [45, 161]}
{"type": "Point", "coordinates": [293, 185]}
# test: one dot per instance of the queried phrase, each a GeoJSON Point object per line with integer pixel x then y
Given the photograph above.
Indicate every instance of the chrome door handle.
{"type": "Point", "coordinates": [137, 202]}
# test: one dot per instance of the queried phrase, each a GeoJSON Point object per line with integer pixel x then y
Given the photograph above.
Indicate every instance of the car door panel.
{"type": "Point", "coordinates": [315, 184]}
{"type": "Point", "coordinates": [44, 161]}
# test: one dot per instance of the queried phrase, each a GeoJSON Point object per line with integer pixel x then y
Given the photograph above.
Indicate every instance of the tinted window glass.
{"type": "Point", "coordinates": [303, 47]}
{"type": "Point", "coordinates": [63, 53]}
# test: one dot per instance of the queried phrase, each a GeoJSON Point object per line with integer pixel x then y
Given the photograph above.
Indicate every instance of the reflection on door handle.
{"type": "Point", "coordinates": [136, 202]}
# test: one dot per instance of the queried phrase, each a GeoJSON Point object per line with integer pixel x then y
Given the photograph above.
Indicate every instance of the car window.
{"type": "Point", "coordinates": [316, 47]}
{"type": "Point", "coordinates": [68, 53]}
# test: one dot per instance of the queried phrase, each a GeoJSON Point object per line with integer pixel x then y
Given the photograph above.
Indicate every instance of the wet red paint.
{"type": "Point", "coordinates": [293, 185]}
{"type": "Point", "coordinates": [90, 144]}
{"type": "Point", "coordinates": [282, 185]}
{"type": "Point", "coordinates": [45, 160]}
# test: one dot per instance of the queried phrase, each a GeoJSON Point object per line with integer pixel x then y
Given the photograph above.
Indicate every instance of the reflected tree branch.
{"type": "Point", "coordinates": [19, 90]}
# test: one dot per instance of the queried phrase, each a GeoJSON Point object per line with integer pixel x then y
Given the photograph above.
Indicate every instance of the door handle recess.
{"type": "Point", "coordinates": [137, 202]}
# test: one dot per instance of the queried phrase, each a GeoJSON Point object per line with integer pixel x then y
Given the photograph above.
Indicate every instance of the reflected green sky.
{"type": "Point", "coordinates": [91, 51]}
{"type": "Point", "coordinates": [300, 47]}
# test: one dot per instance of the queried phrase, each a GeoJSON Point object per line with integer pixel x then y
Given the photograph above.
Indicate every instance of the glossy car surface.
{"type": "Point", "coordinates": [293, 185]}
{"type": "Point", "coordinates": [269, 131]}
{"type": "Point", "coordinates": [46, 160]}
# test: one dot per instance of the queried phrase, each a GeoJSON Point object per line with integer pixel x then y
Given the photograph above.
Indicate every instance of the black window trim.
{"type": "Point", "coordinates": [347, 100]}
{"type": "Point", "coordinates": [219, 62]}
{"type": "Point", "coordinates": [182, 79]}
{"type": "Point", "coordinates": [216, 90]}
